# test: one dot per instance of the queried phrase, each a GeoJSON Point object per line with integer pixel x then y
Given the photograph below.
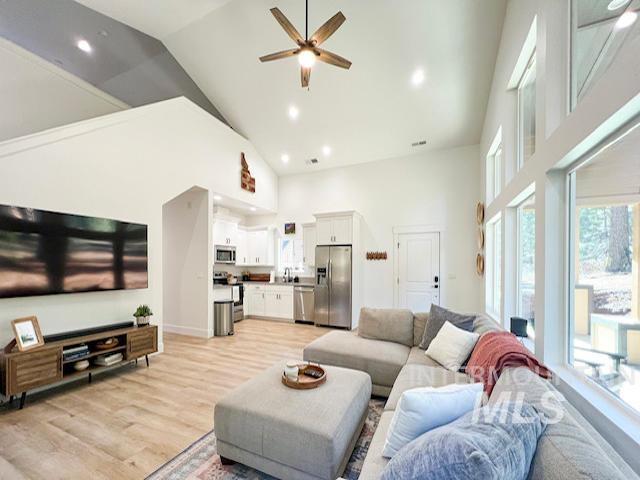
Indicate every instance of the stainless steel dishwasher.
{"type": "Point", "coordinates": [303, 304]}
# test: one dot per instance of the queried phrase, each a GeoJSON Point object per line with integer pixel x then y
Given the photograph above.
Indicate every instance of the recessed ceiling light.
{"type": "Point", "coordinates": [217, 198]}
{"type": "Point", "coordinates": [84, 46]}
{"type": "Point", "coordinates": [616, 4]}
{"type": "Point", "coordinates": [418, 77]}
{"type": "Point", "coordinates": [626, 20]}
{"type": "Point", "coordinates": [285, 158]}
{"type": "Point", "coordinates": [253, 209]}
{"type": "Point", "coordinates": [326, 150]}
{"type": "Point", "coordinates": [293, 112]}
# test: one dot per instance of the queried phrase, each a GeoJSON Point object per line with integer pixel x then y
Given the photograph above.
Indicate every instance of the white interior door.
{"type": "Point", "coordinates": [418, 271]}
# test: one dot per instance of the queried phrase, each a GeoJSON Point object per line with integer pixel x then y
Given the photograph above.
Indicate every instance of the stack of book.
{"type": "Point", "coordinates": [110, 359]}
{"type": "Point", "coordinates": [75, 353]}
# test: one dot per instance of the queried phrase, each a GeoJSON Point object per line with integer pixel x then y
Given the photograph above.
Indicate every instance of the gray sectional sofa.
{"type": "Point", "coordinates": [386, 347]}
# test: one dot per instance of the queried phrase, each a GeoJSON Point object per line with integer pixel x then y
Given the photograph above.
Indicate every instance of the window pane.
{"type": "Point", "coordinates": [497, 280]}
{"type": "Point", "coordinates": [527, 114]}
{"type": "Point", "coordinates": [596, 40]}
{"type": "Point", "coordinates": [497, 172]}
{"type": "Point", "coordinates": [526, 262]}
{"type": "Point", "coordinates": [605, 299]}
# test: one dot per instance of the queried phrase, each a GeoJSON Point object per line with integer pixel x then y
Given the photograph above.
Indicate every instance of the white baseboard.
{"type": "Point", "coordinates": [182, 330]}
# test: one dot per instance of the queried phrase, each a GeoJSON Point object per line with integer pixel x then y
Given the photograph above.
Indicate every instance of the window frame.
{"type": "Point", "coordinates": [493, 273]}
{"type": "Point", "coordinates": [531, 64]}
{"type": "Point", "coordinates": [519, 251]}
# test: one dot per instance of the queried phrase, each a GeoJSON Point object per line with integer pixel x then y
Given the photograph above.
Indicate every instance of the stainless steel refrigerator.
{"type": "Point", "coordinates": [333, 287]}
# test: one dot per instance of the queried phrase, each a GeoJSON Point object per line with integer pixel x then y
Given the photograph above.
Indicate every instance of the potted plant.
{"type": "Point", "coordinates": [143, 314]}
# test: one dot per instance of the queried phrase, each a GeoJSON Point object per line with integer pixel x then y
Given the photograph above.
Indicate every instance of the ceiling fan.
{"type": "Point", "coordinates": [307, 49]}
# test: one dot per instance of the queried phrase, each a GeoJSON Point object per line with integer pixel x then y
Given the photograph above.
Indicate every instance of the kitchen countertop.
{"type": "Point", "coordinates": [280, 283]}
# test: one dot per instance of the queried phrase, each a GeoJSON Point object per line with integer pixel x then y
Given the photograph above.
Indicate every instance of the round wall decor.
{"type": "Point", "coordinates": [480, 264]}
{"type": "Point", "coordinates": [480, 239]}
{"type": "Point", "coordinates": [480, 213]}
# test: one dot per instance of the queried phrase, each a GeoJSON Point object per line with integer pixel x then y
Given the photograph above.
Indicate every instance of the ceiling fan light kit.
{"type": "Point", "coordinates": [308, 50]}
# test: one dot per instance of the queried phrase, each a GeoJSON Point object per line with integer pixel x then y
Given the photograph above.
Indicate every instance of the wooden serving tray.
{"type": "Point", "coordinates": [304, 382]}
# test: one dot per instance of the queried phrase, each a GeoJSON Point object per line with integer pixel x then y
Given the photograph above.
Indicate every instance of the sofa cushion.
{"type": "Point", "coordinates": [415, 376]}
{"type": "Point", "coordinates": [422, 409]}
{"type": "Point", "coordinates": [417, 356]}
{"type": "Point", "coordinates": [489, 443]}
{"type": "Point", "coordinates": [387, 324]}
{"type": "Point", "coordinates": [483, 324]}
{"type": "Point", "coordinates": [452, 346]}
{"type": "Point", "coordinates": [437, 317]}
{"type": "Point", "coordinates": [565, 450]}
{"type": "Point", "coordinates": [419, 324]}
{"type": "Point", "coordinates": [381, 360]}
{"type": "Point", "coordinates": [374, 462]}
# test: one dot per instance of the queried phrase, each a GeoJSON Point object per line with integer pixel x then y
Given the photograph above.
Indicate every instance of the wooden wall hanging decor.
{"type": "Point", "coordinates": [480, 264]}
{"type": "Point", "coordinates": [247, 182]}
{"type": "Point", "coordinates": [480, 213]}
{"type": "Point", "coordinates": [376, 255]}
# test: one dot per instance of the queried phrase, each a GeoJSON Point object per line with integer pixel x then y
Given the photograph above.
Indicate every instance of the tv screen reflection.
{"type": "Point", "coordinates": [44, 253]}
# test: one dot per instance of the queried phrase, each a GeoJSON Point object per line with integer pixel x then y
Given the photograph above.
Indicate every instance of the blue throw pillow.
{"type": "Point", "coordinates": [492, 443]}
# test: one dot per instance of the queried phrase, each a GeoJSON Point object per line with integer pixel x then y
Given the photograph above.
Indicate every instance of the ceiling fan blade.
{"type": "Point", "coordinates": [287, 25]}
{"type": "Point", "coordinates": [333, 59]}
{"type": "Point", "coordinates": [279, 55]}
{"type": "Point", "coordinates": [328, 29]}
{"type": "Point", "coordinates": [305, 75]}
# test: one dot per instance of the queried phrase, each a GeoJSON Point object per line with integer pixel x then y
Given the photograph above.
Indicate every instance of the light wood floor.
{"type": "Point", "coordinates": [125, 425]}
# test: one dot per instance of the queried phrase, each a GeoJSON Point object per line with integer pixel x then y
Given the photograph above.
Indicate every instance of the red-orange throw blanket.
{"type": "Point", "coordinates": [496, 351]}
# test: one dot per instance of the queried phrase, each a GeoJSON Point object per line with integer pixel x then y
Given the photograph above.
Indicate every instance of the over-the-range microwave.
{"type": "Point", "coordinates": [225, 254]}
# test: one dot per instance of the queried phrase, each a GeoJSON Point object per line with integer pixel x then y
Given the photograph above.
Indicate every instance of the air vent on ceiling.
{"type": "Point", "coordinates": [419, 144]}
{"type": "Point", "coordinates": [312, 161]}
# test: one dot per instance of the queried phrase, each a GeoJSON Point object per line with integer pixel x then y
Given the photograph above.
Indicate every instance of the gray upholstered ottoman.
{"type": "Point", "coordinates": [293, 434]}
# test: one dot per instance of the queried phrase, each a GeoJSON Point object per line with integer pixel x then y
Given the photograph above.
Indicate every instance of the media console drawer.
{"type": "Point", "coordinates": [142, 342]}
{"type": "Point", "coordinates": [33, 369]}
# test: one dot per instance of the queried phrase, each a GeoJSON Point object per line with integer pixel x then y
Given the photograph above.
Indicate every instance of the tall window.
{"type": "Point", "coordinates": [600, 29]}
{"type": "Point", "coordinates": [291, 254]}
{"type": "Point", "coordinates": [527, 113]}
{"type": "Point", "coordinates": [493, 278]}
{"type": "Point", "coordinates": [605, 272]}
{"type": "Point", "coordinates": [494, 168]}
{"type": "Point", "coordinates": [526, 262]}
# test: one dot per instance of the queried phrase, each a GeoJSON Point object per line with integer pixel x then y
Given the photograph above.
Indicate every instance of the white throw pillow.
{"type": "Point", "coordinates": [422, 409]}
{"type": "Point", "coordinates": [452, 346]}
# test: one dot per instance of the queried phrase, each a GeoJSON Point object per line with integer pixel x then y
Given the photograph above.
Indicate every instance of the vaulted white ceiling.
{"type": "Point", "coordinates": [157, 18]}
{"type": "Point", "coordinates": [370, 112]}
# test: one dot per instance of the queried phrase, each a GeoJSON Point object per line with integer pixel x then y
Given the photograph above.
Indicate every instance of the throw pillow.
{"type": "Point", "coordinates": [387, 324]}
{"type": "Point", "coordinates": [489, 443]}
{"type": "Point", "coordinates": [422, 409]}
{"type": "Point", "coordinates": [452, 346]}
{"type": "Point", "coordinates": [437, 317]}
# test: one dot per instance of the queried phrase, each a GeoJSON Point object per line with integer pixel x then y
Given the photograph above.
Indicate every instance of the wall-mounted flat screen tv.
{"type": "Point", "coordinates": [46, 253]}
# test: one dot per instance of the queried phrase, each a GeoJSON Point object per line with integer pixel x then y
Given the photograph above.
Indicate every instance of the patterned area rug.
{"type": "Point", "coordinates": [200, 461]}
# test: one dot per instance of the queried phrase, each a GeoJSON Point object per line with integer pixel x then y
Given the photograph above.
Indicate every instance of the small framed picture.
{"type": "Point", "coordinates": [27, 332]}
{"type": "Point", "coordinates": [289, 228]}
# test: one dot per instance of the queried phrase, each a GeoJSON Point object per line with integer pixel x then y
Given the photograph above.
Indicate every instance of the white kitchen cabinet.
{"type": "Point", "coordinates": [225, 233]}
{"type": "Point", "coordinates": [272, 304]}
{"type": "Point", "coordinates": [261, 247]}
{"type": "Point", "coordinates": [309, 242]}
{"type": "Point", "coordinates": [279, 301]}
{"type": "Point", "coordinates": [254, 300]}
{"type": "Point", "coordinates": [334, 229]}
{"type": "Point", "coordinates": [242, 248]}
{"type": "Point", "coordinates": [285, 305]}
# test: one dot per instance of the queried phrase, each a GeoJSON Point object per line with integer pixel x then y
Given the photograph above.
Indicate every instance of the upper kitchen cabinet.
{"type": "Point", "coordinates": [225, 232]}
{"type": "Point", "coordinates": [256, 247]}
{"type": "Point", "coordinates": [309, 242]}
{"type": "Point", "coordinates": [335, 228]}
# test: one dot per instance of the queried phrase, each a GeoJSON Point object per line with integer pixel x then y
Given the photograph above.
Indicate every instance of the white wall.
{"type": "Point", "coordinates": [36, 95]}
{"type": "Point", "coordinates": [123, 166]}
{"type": "Point", "coordinates": [562, 137]}
{"type": "Point", "coordinates": [439, 189]}
{"type": "Point", "coordinates": [186, 227]}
